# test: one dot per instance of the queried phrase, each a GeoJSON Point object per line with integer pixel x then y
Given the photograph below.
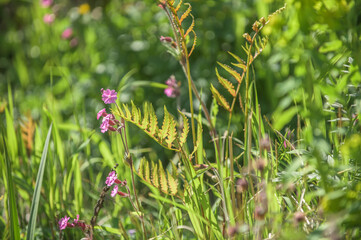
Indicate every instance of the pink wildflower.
{"type": "Point", "coordinates": [166, 39]}
{"type": "Point", "coordinates": [67, 33]}
{"type": "Point", "coordinates": [46, 3]}
{"type": "Point", "coordinates": [172, 90]}
{"type": "Point", "coordinates": [108, 123]}
{"type": "Point", "coordinates": [63, 223]}
{"type": "Point", "coordinates": [76, 220]}
{"type": "Point", "coordinates": [73, 42]}
{"type": "Point", "coordinates": [114, 191]}
{"type": "Point", "coordinates": [109, 96]}
{"type": "Point", "coordinates": [49, 18]}
{"type": "Point", "coordinates": [102, 113]}
{"type": "Point", "coordinates": [111, 178]}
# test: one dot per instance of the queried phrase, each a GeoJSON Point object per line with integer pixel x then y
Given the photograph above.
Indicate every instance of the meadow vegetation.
{"type": "Point", "coordinates": [171, 119]}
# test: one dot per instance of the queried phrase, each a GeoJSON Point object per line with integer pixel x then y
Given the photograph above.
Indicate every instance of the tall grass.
{"type": "Point", "coordinates": [274, 151]}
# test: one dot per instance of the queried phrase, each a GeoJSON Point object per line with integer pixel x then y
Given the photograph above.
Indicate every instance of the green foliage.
{"type": "Point", "coordinates": [297, 176]}
{"type": "Point", "coordinates": [36, 195]}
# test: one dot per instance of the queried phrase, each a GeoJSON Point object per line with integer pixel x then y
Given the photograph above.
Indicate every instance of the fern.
{"type": "Point", "coordinates": [27, 134]}
{"type": "Point", "coordinates": [167, 136]}
{"type": "Point", "coordinates": [164, 181]}
{"type": "Point", "coordinates": [185, 131]}
{"type": "Point", "coordinates": [220, 99]}
{"type": "Point", "coordinates": [253, 47]}
{"type": "Point", "coordinates": [177, 22]}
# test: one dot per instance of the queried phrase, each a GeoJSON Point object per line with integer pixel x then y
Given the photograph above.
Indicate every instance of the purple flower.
{"type": "Point", "coordinates": [46, 3]}
{"type": "Point", "coordinates": [73, 42]}
{"type": "Point", "coordinates": [107, 123]}
{"type": "Point", "coordinates": [172, 90]}
{"type": "Point", "coordinates": [49, 18]}
{"type": "Point", "coordinates": [111, 178]}
{"type": "Point", "coordinates": [67, 33]}
{"type": "Point", "coordinates": [76, 220]}
{"type": "Point", "coordinates": [169, 92]}
{"type": "Point", "coordinates": [114, 191]}
{"type": "Point", "coordinates": [63, 223]}
{"type": "Point", "coordinates": [101, 113]}
{"type": "Point", "coordinates": [166, 39]}
{"type": "Point", "coordinates": [109, 96]}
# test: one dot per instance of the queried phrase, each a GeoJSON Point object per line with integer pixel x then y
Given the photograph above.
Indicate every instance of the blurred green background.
{"type": "Point", "coordinates": [115, 44]}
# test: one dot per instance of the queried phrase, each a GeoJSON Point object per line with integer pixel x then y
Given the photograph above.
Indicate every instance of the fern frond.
{"type": "Point", "coordinates": [173, 184]}
{"type": "Point", "coordinates": [163, 132]}
{"type": "Point", "coordinates": [186, 13]}
{"type": "Point", "coordinates": [220, 99]}
{"type": "Point", "coordinates": [145, 121]}
{"type": "Point", "coordinates": [153, 128]}
{"type": "Point", "coordinates": [190, 29]}
{"type": "Point", "coordinates": [184, 134]}
{"type": "Point", "coordinates": [170, 2]}
{"type": "Point", "coordinates": [178, 6]}
{"type": "Point", "coordinates": [238, 59]}
{"type": "Point", "coordinates": [226, 84]}
{"type": "Point", "coordinates": [155, 176]}
{"type": "Point", "coordinates": [194, 43]}
{"type": "Point", "coordinates": [146, 171]}
{"type": "Point", "coordinates": [141, 168]}
{"type": "Point", "coordinates": [135, 114]}
{"type": "Point", "coordinates": [166, 136]}
{"type": "Point", "coordinates": [27, 133]}
{"type": "Point", "coordinates": [172, 133]}
{"type": "Point", "coordinates": [231, 71]}
{"type": "Point", "coordinates": [162, 179]}
{"type": "Point", "coordinates": [128, 115]}
{"type": "Point", "coordinates": [240, 65]}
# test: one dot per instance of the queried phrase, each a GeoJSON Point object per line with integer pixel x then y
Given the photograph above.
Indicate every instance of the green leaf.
{"type": "Point", "coordinates": [280, 119]}
{"type": "Point", "coordinates": [14, 220]}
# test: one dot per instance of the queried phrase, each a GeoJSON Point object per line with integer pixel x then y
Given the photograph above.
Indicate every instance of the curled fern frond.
{"type": "Point", "coordinates": [186, 13]}
{"type": "Point", "coordinates": [190, 28]}
{"type": "Point", "coordinates": [177, 22]}
{"type": "Point", "coordinates": [194, 43]}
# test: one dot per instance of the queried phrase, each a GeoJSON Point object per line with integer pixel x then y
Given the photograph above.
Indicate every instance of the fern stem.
{"type": "Point", "coordinates": [178, 32]}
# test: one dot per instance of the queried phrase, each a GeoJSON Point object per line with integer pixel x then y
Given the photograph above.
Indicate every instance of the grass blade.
{"type": "Point", "coordinates": [14, 220]}
{"type": "Point", "coordinates": [36, 196]}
